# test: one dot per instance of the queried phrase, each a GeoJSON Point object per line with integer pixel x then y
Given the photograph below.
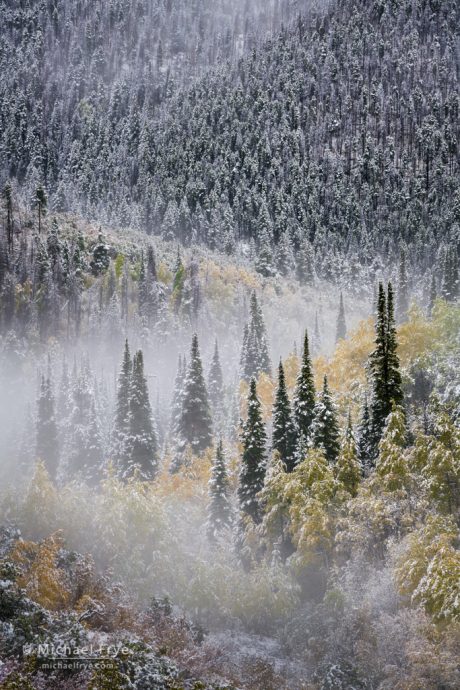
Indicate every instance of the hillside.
{"type": "Point", "coordinates": [336, 141]}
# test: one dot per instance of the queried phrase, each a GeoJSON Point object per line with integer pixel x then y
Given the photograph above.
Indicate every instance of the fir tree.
{"type": "Point", "coordinates": [384, 364]}
{"type": "Point", "coordinates": [47, 447]}
{"type": "Point", "coordinates": [255, 357]}
{"type": "Point", "coordinates": [101, 258]}
{"type": "Point", "coordinates": [325, 430]}
{"type": "Point", "coordinates": [176, 403]}
{"type": "Point", "coordinates": [304, 401]}
{"type": "Point", "coordinates": [253, 464]}
{"type": "Point", "coordinates": [195, 425]}
{"type": "Point", "coordinates": [341, 328]}
{"type": "Point", "coordinates": [121, 422]}
{"type": "Point", "coordinates": [216, 389]}
{"type": "Point", "coordinates": [284, 432]}
{"type": "Point", "coordinates": [219, 509]}
{"type": "Point", "coordinates": [143, 447]}
{"type": "Point", "coordinates": [403, 289]}
{"type": "Point", "coordinates": [364, 444]}
{"type": "Point", "coordinates": [348, 468]}
{"type": "Point", "coordinates": [433, 294]}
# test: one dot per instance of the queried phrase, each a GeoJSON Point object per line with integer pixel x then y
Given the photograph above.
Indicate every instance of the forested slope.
{"type": "Point", "coordinates": [338, 137]}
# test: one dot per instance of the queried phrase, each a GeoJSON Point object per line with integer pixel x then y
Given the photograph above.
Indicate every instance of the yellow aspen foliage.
{"type": "Point", "coordinates": [40, 576]}
{"type": "Point", "coordinates": [291, 370]}
{"type": "Point", "coordinates": [428, 571]}
{"type": "Point", "coordinates": [416, 336]}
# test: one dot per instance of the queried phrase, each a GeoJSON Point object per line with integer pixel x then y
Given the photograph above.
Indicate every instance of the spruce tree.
{"type": "Point", "coordinates": [142, 458]}
{"type": "Point", "coordinates": [121, 422]}
{"type": "Point", "coordinates": [284, 432]}
{"type": "Point", "coordinates": [219, 509]}
{"type": "Point", "coordinates": [255, 357]}
{"type": "Point", "coordinates": [316, 343]}
{"type": "Point", "coordinates": [384, 365]}
{"type": "Point", "coordinates": [403, 289]}
{"type": "Point", "coordinates": [364, 443]}
{"type": "Point", "coordinates": [341, 328]}
{"type": "Point", "coordinates": [195, 424]}
{"type": "Point", "coordinates": [253, 463]}
{"type": "Point", "coordinates": [304, 400]}
{"type": "Point", "coordinates": [325, 430]}
{"type": "Point", "coordinates": [215, 379]}
{"type": "Point", "coordinates": [47, 446]}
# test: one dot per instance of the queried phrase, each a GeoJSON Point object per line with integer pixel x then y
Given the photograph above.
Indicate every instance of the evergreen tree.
{"type": "Point", "coordinates": [195, 424]}
{"type": "Point", "coordinates": [403, 289]}
{"type": "Point", "coordinates": [255, 357]}
{"type": "Point", "coordinates": [47, 446]}
{"type": "Point", "coordinates": [121, 422]}
{"type": "Point", "coordinates": [40, 202]}
{"type": "Point", "coordinates": [253, 464]}
{"type": "Point", "coordinates": [284, 432]}
{"type": "Point", "coordinates": [348, 468]}
{"type": "Point", "coordinates": [341, 328]}
{"type": "Point", "coordinates": [216, 389]}
{"type": "Point", "coordinates": [7, 196]}
{"type": "Point", "coordinates": [176, 403]}
{"type": "Point", "coordinates": [364, 445]}
{"type": "Point", "coordinates": [101, 257]}
{"type": "Point", "coordinates": [143, 447]}
{"type": "Point", "coordinates": [384, 365]}
{"type": "Point", "coordinates": [304, 395]}
{"type": "Point", "coordinates": [325, 430]}
{"type": "Point", "coordinates": [219, 509]}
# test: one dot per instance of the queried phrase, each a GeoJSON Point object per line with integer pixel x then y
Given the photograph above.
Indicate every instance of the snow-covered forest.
{"type": "Point", "coordinates": [229, 345]}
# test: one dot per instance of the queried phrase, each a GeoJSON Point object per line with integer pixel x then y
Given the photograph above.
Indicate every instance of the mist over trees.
{"type": "Point", "coordinates": [229, 344]}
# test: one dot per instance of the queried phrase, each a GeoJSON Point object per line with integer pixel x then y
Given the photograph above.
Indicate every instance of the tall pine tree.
{"type": "Point", "coordinates": [219, 509]}
{"type": "Point", "coordinates": [255, 357]}
{"type": "Point", "coordinates": [195, 423]}
{"type": "Point", "coordinates": [121, 422]}
{"type": "Point", "coordinates": [325, 430]}
{"type": "Point", "coordinates": [253, 464]}
{"type": "Point", "coordinates": [284, 432]}
{"type": "Point", "coordinates": [304, 395]}
{"type": "Point", "coordinates": [384, 365]}
{"type": "Point", "coordinates": [142, 458]}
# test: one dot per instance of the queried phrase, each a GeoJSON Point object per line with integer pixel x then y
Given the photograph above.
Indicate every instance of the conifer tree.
{"type": "Point", "coordinates": [121, 422]}
{"type": "Point", "coordinates": [364, 444]}
{"type": "Point", "coordinates": [195, 424]}
{"type": "Point", "coordinates": [216, 389]}
{"type": "Point", "coordinates": [403, 288]}
{"type": "Point", "coordinates": [341, 328]}
{"type": "Point", "coordinates": [325, 430]}
{"type": "Point", "coordinates": [348, 468]}
{"type": "Point", "coordinates": [47, 447]}
{"type": "Point", "coordinates": [176, 404]}
{"type": "Point", "coordinates": [253, 464]}
{"type": "Point", "coordinates": [215, 379]}
{"type": "Point", "coordinates": [143, 447]}
{"type": "Point", "coordinates": [219, 509]}
{"type": "Point", "coordinates": [304, 401]}
{"type": "Point", "coordinates": [284, 432]}
{"type": "Point", "coordinates": [255, 357]}
{"type": "Point", "coordinates": [384, 364]}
